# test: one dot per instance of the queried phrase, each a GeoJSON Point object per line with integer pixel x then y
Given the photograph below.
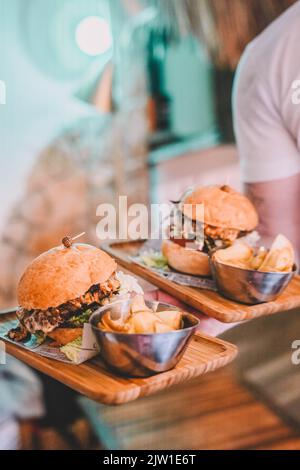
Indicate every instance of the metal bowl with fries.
{"type": "Point", "coordinates": [132, 343]}
{"type": "Point", "coordinates": [250, 277]}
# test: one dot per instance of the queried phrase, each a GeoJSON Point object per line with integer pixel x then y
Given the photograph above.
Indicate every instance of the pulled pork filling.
{"type": "Point", "coordinates": [203, 237]}
{"type": "Point", "coordinates": [45, 321]}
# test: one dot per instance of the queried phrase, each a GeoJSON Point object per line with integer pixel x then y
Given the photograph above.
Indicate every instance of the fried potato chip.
{"type": "Point", "coordinates": [237, 255]}
{"type": "Point", "coordinates": [103, 324]}
{"type": "Point", "coordinates": [138, 304]}
{"type": "Point", "coordinates": [171, 318]}
{"type": "Point", "coordinates": [113, 325]}
{"type": "Point", "coordinates": [280, 258]}
{"type": "Point", "coordinates": [258, 259]}
{"type": "Point", "coordinates": [240, 264]}
{"type": "Point", "coordinates": [162, 327]}
{"type": "Point", "coordinates": [143, 322]}
{"type": "Point", "coordinates": [129, 326]}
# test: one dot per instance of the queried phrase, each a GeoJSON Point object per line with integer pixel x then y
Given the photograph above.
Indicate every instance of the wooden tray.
{"type": "Point", "coordinates": [206, 301]}
{"type": "Point", "coordinates": [92, 379]}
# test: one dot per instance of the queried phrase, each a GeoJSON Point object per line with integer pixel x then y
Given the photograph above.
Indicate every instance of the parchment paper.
{"type": "Point", "coordinates": [88, 349]}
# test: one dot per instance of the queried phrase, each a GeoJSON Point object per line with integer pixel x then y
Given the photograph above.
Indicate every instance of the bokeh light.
{"type": "Point", "coordinates": [93, 35]}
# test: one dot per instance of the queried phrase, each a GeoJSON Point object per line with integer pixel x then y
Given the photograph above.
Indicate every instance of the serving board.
{"type": "Point", "coordinates": [95, 381]}
{"type": "Point", "coordinates": [206, 301]}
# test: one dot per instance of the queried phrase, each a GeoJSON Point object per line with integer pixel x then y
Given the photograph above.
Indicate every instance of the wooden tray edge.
{"type": "Point", "coordinates": [230, 352]}
{"type": "Point", "coordinates": [135, 391]}
{"type": "Point", "coordinates": [167, 286]}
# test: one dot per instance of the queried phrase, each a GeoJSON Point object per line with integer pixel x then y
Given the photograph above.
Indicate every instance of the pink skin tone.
{"type": "Point", "coordinates": [278, 206]}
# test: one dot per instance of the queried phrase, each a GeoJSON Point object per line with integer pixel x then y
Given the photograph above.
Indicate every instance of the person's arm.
{"type": "Point", "coordinates": [277, 203]}
{"type": "Point", "coordinates": [268, 148]}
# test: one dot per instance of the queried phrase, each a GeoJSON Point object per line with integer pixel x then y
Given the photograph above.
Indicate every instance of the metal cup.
{"type": "Point", "coordinates": [142, 355]}
{"type": "Point", "coordinates": [249, 286]}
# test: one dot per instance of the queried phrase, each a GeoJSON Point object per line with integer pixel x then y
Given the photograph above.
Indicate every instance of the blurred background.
{"type": "Point", "coordinates": [117, 97]}
{"type": "Point", "coordinates": [103, 98]}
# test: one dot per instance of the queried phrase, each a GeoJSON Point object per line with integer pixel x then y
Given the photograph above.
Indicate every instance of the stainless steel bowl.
{"type": "Point", "coordinates": [249, 286]}
{"type": "Point", "coordinates": [142, 355]}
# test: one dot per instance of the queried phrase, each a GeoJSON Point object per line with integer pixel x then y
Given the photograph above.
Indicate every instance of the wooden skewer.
{"type": "Point", "coordinates": [78, 236]}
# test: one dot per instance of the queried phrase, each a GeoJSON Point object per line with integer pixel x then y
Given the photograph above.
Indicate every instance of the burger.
{"type": "Point", "coordinates": [61, 288]}
{"type": "Point", "coordinates": [225, 215]}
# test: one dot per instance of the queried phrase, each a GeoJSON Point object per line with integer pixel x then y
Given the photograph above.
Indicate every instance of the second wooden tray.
{"type": "Point", "coordinates": [206, 301]}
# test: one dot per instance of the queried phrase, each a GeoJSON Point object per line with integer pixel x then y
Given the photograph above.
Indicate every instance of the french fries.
{"type": "Point", "coordinates": [280, 257]}
{"type": "Point", "coordinates": [258, 259]}
{"type": "Point", "coordinates": [173, 319]}
{"type": "Point", "coordinates": [142, 320]}
{"type": "Point", "coordinates": [138, 305]}
{"type": "Point", "coordinates": [238, 255]}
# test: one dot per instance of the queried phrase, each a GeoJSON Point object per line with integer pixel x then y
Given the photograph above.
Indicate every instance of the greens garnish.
{"type": "Point", "coordinates": [81, 319]}
{"type": "Point", "coordinates": [72, 350]}
{"type": "Point", "coordinates": [155, 260]}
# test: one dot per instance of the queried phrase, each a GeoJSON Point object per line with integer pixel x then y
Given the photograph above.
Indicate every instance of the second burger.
{"type": "Point", "coordinates": [224, 216]}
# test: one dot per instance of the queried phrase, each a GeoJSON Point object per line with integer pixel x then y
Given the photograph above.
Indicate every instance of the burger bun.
{"type": "Point", "coordinates": [185, 260]}
{"type": "Point", "coordinates": [223, 207]}
{"type": "Point", "coordinates": [63, 274]}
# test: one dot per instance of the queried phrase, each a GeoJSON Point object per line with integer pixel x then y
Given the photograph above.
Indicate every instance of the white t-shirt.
{"type": "Point", "coordinates": [266, 102]}
{"type": "Point", "coordinates": [9, 434]}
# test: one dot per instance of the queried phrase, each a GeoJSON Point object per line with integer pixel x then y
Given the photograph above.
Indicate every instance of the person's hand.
{"type": "Point", "coordinates": [209, 326]}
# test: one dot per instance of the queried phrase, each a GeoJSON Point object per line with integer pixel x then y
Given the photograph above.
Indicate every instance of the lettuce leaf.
{"type": "Point", "coordinates": [155, 260]}
{"type": "Point", "coordinates": [80, 320]}
{"type": "Point", "coordinates": [72, 350]}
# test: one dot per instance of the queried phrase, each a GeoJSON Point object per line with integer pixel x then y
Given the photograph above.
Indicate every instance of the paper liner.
{"type": "Point", "coordinates": [88, 349]}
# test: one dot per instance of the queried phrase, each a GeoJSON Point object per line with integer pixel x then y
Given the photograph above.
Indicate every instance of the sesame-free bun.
{"type": "Point", "coordinates": [63, 336]}
{"type": "Point", "coordinates": [62, 274]}
{"type": "Point", "coordinates": [223, 207]}
{"type": "Point", "coordinates": [184, 260]}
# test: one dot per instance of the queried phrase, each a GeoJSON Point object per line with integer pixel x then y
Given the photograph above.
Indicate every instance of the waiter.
{"type": "Point", "coordinates": [267, 125]}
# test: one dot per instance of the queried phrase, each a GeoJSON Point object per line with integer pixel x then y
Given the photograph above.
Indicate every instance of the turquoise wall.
{"type": "Point", "coordinates": [37, 105]}
{"type": "Point", "coordinates": [189, 80]}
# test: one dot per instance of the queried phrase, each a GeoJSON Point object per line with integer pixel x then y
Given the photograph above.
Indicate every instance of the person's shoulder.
{"type": "Point", "coordinates": [279, 41]}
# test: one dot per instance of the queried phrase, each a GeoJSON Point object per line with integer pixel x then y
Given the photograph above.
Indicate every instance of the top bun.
{"type": "Point", "coordinates": [223, 207]}
{"type": "Point", "coordinates": [62, 274]}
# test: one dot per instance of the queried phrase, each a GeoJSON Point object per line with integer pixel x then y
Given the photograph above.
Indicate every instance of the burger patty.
{"type": "Point", "coordinates": [225, 234]}
{"type": "Point", "coordinates": [205, 237]}
{"type": "Point", "coordinates": [46, 321]}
